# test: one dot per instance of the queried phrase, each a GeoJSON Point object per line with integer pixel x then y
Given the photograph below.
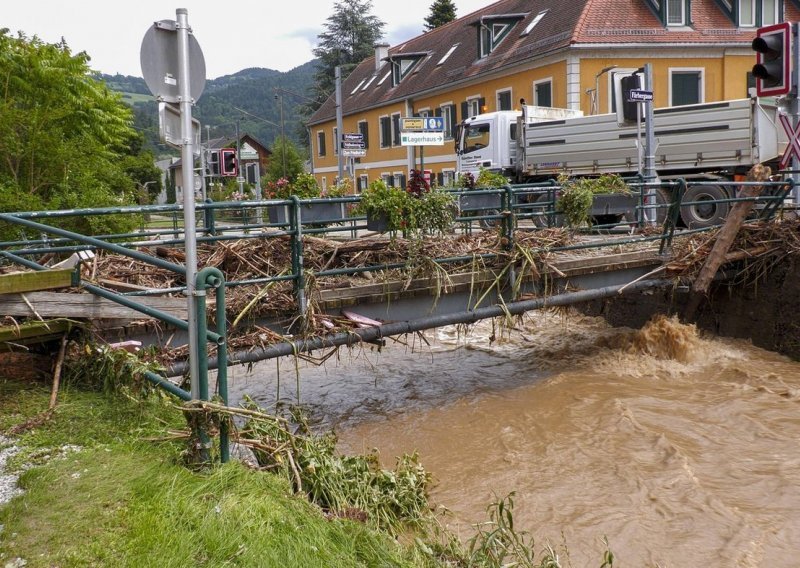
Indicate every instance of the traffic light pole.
{"type": "Point", "coordinates": [794, 109]}
{"type": "Point", "coordinates": [187, 172]}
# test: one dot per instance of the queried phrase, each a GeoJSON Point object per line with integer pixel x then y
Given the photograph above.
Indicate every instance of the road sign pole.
{"type": "Point", "coordinates": [187, 171]}
{"type": "Point", "coordinates": [650, 148]}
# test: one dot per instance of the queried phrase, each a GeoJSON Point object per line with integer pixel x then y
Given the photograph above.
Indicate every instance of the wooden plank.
{"type": "Point", "coordinates": [32, 329]}
{"type": "Point", "coordinates": [54, 304]}
{"type": "Point", "coordinates": [18, 282]}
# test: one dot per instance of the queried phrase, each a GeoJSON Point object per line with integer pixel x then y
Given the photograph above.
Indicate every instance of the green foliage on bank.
{"type": "Point", "coordinates": [67, 141]}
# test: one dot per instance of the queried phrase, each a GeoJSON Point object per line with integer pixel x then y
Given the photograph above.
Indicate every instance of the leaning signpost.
{"type": "Point", "coordinates": [175, 72]}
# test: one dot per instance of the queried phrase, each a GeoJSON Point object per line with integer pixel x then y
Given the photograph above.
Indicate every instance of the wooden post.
{"type": "Point", "coordinates": [724, 239]}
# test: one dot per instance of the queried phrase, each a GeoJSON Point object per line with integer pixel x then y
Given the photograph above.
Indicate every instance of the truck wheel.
{"type": "Point", "coordinates": [708, 211]}
{"type": "Point", "coordinates": [543, 221]}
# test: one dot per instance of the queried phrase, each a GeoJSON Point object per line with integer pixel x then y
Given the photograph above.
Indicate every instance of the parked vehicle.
{"type": "Point", "coordinates": [710, 142]}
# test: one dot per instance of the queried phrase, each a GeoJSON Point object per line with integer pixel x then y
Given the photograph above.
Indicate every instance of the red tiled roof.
{"type": "Point", "coordinates": [566, 23]}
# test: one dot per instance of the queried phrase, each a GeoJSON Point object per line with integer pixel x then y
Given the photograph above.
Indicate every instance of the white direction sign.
{"type": "Point", "coordinates": [354, 152]}
{"type": "Point", "coordinates": [422, 138]}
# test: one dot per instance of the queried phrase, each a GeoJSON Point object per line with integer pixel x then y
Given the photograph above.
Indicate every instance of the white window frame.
{"type": "Point", "coordinates": [474, 105]}
{"type": "Point", "coordinates": [447, 109]}
{"type": "Point", "coordinates": [448, 177]}
{"type": "Point", "coordinates": [424, 112]}
{"type": "Point", "coordinates": [534, 98]}
{"type": "Point", "coordinates": [364, 181]}
{"type": "Point", "coordinates": [497, 94]}
{"type": "Point", "coordinates": [776, 17]}
{"type": "Point", "coordinates": [397, 177]}
{"type": "Point", "coordinates": [682, 21]}
{"type": "Point", "coordinates": [319, 146]}
{"type": "Point", "coordinates": [752, 22]}
{"type": "Point", "coordinates": [385, 177]}
{"type": "Point", "coordinates": [701, 76]}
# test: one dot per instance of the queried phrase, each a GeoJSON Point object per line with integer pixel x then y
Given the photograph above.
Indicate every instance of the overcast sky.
{"type": "Point", "coordinates": [233, 34]}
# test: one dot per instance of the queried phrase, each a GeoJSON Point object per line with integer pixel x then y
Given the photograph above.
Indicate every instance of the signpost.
{"type": "Point", "coordinates": [645, 97]}
{"type": "Point", "coordinates": [175, 72]}
{"type": "Point", "coordinates": [352, 145]}
{"type": "Point", "coordinates": [422, 131]}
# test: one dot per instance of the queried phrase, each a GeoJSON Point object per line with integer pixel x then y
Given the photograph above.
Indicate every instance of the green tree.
{"type": "Point", "coordinates": [442, 12]}
{"type": "Point", "coordinates": [350, 35]}
{"type": "Point", "coordinates": [63, 133]}
{"type": "Point", "coordinates": [286, 161]}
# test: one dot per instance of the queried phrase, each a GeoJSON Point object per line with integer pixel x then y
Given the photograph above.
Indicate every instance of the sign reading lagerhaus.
{"type": "Point", "coordinates": [422, 138]}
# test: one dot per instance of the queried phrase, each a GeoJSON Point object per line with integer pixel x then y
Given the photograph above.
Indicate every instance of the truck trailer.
{"type": "Point", "coordinates": [716, 142]}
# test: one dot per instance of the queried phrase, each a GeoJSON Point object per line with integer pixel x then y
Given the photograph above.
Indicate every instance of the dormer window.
{"type": "Point", "coordinates": [492, 30]}
{"type": "Point", "coordinates": [403, 65]}
{"type": "Point", "coordinates": [671, 12]}
{"type": "Point", "coordinates": [752, 13]}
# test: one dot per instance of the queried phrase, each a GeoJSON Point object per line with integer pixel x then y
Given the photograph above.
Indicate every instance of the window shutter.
{"type": "Point", "coordinates": [437, 111]}
{"type": "Point", "coordinates": [481, 104]}
{"type": "Point", "coordinates": [464, 110]}
{"type": "Point", "coordinates": [363, 127]}
{"type": "Point", "coordinates": [453, 118]}
{"type": "Point", "coordinates": [402, 180]}
{"type": "Point", "coordinates": [440, 179]}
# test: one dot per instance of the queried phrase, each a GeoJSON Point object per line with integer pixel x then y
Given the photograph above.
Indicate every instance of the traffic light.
{"type": "Point", "coordinates": [773, 46]}
{"type": "Point", "coordinates": [212, 159]}
{"type": "Point", "coordinates": [227, 161]}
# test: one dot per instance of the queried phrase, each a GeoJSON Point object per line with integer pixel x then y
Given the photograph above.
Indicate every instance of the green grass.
{"type": "Point", "coordinates": [125, 501]}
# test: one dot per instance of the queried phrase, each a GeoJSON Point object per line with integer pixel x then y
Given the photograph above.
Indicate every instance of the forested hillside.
{"type": "Point", "coordinates": [249, 96]}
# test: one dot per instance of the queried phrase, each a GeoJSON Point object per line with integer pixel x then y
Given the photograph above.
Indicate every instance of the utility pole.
{"type": "Point", "coordinates": [239, 176]}
{"type": "Point", "coordinates": [339, 120]}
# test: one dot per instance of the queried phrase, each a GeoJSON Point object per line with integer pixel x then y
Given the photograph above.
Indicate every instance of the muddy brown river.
{"type": "Point", "coordinates": [681, 449]}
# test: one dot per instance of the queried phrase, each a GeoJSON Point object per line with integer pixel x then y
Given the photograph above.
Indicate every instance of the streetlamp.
{"type": "Point", "coordinates": [595, 100]}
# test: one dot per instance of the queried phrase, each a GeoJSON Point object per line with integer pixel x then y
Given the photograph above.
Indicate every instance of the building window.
{"type": "Point", "coordinates": [335, 140]}
{"type": "Point", "coordinates": [363, 182]}
{"type": "Point", "coordinates": [504, 100]}
{"type": "Point", "coordinates": [543, 93]}
{"type": "Point", "coordinates": [685, 86]}
{"type": "Point", "coordinates": [448, 114]}
{"type": "Point", "coordinates": [473, 107]}
{"type": "Point", "coordinates": [493, 29]}
{"type": "Point", "coordinates": [363, 129]}
{"type": "Point", "coordinates": [320, 143]}
{"type": "Point", "coordinates": [769, 12]}
{"type": "Point", "coordinates": [403, 66]}
{"type": "Point", "coordinates": [747, 13]}
{"type": "Point", "coordinates": [386, 131]}
{"type": "Point", "coordinates": [399, 180]}
{"type": "Point", "coordinates": [676, 12]}
{"type": "Point", "coordinates": [388, 179]}
{"type": "Point", "coordinates": [448, 178]}
{"type": "Point", "coordinates": [396, 129]}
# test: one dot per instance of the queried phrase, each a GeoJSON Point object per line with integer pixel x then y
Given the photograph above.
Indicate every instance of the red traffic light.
{"type": "Point", "coordinates": [227, 162]}
{"type": "Point", "coordinates": [773, 46]}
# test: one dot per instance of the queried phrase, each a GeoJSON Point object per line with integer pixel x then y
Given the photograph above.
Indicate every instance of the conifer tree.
{"type": "Point", "coordinates": [442, 12]}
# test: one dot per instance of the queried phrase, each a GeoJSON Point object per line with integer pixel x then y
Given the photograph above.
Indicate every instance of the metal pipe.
{"type": "Point", "coordinates": [399, 328]}
{"type": "Point", "coordinates": [168, 386]}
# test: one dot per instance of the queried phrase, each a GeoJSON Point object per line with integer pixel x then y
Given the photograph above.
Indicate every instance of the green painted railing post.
{"type": "Point", "coordinates": [208, 219]}
{"type": "Point", "coordinates": [297, 254]}
{"type": "Point", "coordinates": [210, 277]}
{"type": "Point", "coordinates": [674, 211]}
{"type": "Point", "coordinates": [508, 217]}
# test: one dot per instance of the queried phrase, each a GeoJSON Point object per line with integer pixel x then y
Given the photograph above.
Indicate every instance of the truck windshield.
{"type": "Point", "coordinates": [475, 137]}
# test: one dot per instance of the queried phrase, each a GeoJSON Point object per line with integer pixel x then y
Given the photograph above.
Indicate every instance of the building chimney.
{"type": "Point", "coordinates": [381, 51]}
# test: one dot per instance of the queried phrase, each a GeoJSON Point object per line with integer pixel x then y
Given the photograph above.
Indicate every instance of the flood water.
{"type": "Point", "coordinates": [680, 448]}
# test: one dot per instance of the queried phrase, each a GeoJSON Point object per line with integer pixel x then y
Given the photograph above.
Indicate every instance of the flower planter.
{"type": "Point", "coordinates": [318, 212]}
{"type": "Point", "coordinates": [479, 201]}
{"type": "Point", "coordinates": [614, 204]}
{"type": "Point", "coordinates": [377, 222]}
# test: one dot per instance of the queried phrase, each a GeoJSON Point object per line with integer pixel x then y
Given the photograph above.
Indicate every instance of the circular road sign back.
{"type": "Point", "coordinates": [160, 65]}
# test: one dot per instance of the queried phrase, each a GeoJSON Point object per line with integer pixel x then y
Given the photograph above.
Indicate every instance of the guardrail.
{"type": "Point", "coordinates": [509, 209]}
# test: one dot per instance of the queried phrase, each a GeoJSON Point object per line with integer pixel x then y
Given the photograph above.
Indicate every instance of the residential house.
{"type": "Point", "coordinates": [547, 52]}
{"type": "Point", "coordinates": [254, 161]}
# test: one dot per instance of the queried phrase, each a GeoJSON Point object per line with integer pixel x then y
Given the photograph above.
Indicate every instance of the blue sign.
{"type": "Point", "coordinates": [435, 123]}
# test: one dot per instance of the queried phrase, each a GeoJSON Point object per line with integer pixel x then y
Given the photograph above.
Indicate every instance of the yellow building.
{"type": "Point", "coordinates": [547, 52]}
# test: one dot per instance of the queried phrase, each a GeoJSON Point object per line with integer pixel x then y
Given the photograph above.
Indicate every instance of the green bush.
{"type": "Point", "coordinates": [577, 194]}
